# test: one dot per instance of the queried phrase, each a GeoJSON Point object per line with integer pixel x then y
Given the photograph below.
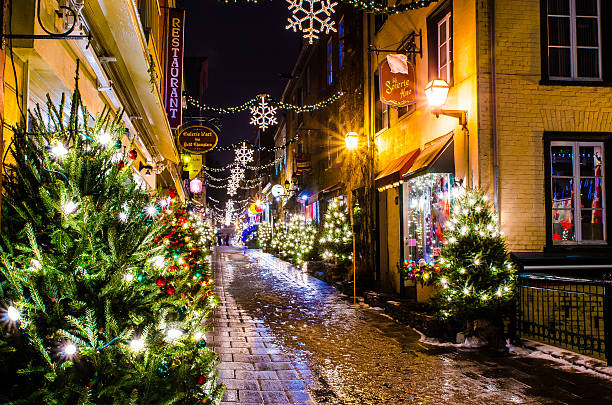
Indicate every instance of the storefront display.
{"type": "Point", "coordinates": [427, 200]}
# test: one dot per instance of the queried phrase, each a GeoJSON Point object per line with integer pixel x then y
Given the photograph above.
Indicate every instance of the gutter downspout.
{"type": "Point", "coordinates": [494, 110]}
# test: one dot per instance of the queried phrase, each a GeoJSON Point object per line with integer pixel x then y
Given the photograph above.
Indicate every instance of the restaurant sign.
{"type": "Point", "coordinates": [198, 139]}
{"type": "Point", "coordinates": [397, 84]}
{"type": "Point", "coordinates": [174, 67]}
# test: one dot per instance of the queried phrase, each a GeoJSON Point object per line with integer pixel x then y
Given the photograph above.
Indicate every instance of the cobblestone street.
{"type": "Point", "coordinates": [285, 337]}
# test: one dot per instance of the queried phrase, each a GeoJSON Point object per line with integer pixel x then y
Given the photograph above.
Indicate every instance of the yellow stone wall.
{"type": "Point", "coordinates": [525, 109]}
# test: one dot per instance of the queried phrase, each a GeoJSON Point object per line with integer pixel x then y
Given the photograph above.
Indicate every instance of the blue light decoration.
{"type": "Point", "coordinates": [248, 232]}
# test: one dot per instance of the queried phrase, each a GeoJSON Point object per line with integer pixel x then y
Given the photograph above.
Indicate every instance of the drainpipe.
{"type": "Point", "coordinates": [494, 110]}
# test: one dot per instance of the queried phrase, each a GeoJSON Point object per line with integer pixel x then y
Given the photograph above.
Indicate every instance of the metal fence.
{"type": "Point", "coordinates": [570, 313]}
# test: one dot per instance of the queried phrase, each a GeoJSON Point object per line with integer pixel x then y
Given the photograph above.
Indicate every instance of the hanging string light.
{"type": "Point", "coordinates": [269, 101]}
{"type": "Point", "coordinates": [374, 8]}
{"type": "Point", "coordinates": [259, 148]}
{"type": "Point", "coordinates": [368, 6]}
{"type": "Point", "coordinates": [263, 114]}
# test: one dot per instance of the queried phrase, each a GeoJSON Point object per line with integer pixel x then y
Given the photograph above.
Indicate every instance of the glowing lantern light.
{"type": "Point", "coordinates": [436, 92]}
{"type": "Point", "coordinates": [195, 186]}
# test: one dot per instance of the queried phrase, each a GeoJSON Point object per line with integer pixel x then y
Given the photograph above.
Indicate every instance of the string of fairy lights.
{"type": "Point", "coordinates": [312, 18]}
{"type": "Point", "coordinates": [269, 101]}
{"type": "Point", "coordinates": [370, 6]}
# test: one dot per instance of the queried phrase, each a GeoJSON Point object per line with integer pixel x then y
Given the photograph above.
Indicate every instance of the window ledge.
{"type": "Point", "coordinates": [579, 248]}
{"type": "Point", "coordinates": [583, 83]}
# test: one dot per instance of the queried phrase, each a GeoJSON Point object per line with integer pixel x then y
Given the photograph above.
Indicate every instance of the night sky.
{"type": "Point", "coordinates": [248, 48]}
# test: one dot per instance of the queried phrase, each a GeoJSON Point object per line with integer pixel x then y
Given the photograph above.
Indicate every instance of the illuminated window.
{"type": "Point", "coordinates": [577, 208]}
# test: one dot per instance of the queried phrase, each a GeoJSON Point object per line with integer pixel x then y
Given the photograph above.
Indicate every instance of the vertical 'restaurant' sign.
{"type": "Point", "coordinates": [174, 67]}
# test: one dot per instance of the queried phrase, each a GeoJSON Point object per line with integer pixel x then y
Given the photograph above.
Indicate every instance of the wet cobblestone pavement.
{"type": "Point", "coordinates": [285, 337]}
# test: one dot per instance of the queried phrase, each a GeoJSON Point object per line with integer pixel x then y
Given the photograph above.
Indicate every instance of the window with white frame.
{"type": "Point", "coordinates": [574, 39]}
{"type": "Point", "coordinates": [578, 204]}
{"type": "Point", "coordinates": [444, 48]}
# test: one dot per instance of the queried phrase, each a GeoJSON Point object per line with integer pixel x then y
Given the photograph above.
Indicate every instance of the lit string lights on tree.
{"type": "Point", "coordinates": [336, 238]}
{"type": "Point", "coordinates": [312, 17]}
{"type": "Point", "coordinates": [263, 114]}
{"type": "Point", "coordinates": [479, 277]}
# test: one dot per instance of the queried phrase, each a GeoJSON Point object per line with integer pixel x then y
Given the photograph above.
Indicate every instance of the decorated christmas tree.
{"type": "Point", "coordinates": [336, 238]}
{"type": "Point", "coordinates": [280, 245]}
{"type": "Point", "coordinates": [264, 236]}
{"type": "Point", "coordinates": [478, 278]}
{"type": "Point", "coordinates": [301, 239]}
{"type": "Point", "coordinates": [85, 319]}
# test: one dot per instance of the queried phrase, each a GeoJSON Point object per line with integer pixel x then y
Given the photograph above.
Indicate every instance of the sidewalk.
{"type": "Point", "coordinates": [253, 368]}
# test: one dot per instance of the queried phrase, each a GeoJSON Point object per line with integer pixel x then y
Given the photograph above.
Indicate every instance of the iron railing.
{"type": "Point", "coordinates": [570, 313]}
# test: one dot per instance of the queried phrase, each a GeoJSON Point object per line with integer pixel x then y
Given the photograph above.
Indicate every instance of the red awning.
{"type": "Point", "coordinates": [395, 169]}
{"type": "Point", "coordinates": [331, 188]}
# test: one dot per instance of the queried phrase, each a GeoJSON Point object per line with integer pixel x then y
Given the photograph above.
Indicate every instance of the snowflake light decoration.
{"type": "Point", "coordinates": [237, 173]}
{"type": "Point", "coordinates": [244, 155]}
{"type": "Point", "coordinates": [263, 114]}
{"type": "Point", "coordinates": [312, 17]}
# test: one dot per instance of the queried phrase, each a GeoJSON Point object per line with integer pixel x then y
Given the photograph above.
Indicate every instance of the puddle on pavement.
{"type": "Point", "coordinates": [361, 357]}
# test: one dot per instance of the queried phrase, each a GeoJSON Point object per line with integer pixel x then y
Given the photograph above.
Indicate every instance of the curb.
{"type": "Point", "coordinates": [566, 357]}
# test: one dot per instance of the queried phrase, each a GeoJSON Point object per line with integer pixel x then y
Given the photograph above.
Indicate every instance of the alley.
{"type": "Point", "coordinates": [285, 337]}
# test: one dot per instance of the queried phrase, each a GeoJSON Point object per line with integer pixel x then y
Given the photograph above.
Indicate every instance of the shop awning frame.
{"type": "Point", "coordinates": [393, 172]}
{"type": "Point", "coordinates": [436, 157]}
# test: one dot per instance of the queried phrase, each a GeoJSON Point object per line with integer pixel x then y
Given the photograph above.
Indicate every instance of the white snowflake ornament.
{"type": "Point", "coordinates": [263, 114]}
{"type": "Point", "coordinates": [312, 17]}
{"type": "Point", "coordinates": [244, 155]}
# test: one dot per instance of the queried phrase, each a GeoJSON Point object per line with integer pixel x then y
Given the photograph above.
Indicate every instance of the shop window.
{"type": "Point", "coordinates": [571, 32]}
{"type": "Point", "coordinates": [440, 43]}
{"type": "Point", "coordinates": [381, 111]}
{"type": "Point", "coordinates": [341, 49]}
{"type": "Point", "coordinates": [577, 205]}
{"type": "Point", "coordinates": [427, 207]}
{"type": "Point", "coordinates": [312, 212]}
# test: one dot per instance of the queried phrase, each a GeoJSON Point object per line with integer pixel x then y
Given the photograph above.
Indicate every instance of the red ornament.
{"type": "Point", "coordinates": [170, 289]}
{"type": "Point", "coordinates": [172, 193]}
{"type": "Point", "coordinates": [133, 154]}
{"type": "Point", "coordinates": [161, 281]}
{"type": "Point", "coordinates": [202, 379]}
{"type": "Point", "coordinates": [120, 165]}
{"type": "Point", "coordinates": [173, 268]}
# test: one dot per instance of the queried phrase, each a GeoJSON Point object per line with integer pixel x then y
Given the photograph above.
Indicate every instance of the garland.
{"type": "Point", "coordinates": [368, 6]}
{"type": "Point", "coordinates": [278, 104]}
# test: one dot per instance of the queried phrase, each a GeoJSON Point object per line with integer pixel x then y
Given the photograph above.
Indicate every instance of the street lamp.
{"type": "Point", "coordinates": [436, 92]}
{"type": "Point", "coordinates": [351, 139]}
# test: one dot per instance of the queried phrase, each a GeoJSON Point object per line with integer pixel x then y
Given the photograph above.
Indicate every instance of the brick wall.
{"type": "Point", "coordinates": [525, 109]}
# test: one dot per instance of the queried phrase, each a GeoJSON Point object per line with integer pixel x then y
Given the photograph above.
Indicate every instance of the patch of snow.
{"type": "Point", "coordinates": [564, 359]}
